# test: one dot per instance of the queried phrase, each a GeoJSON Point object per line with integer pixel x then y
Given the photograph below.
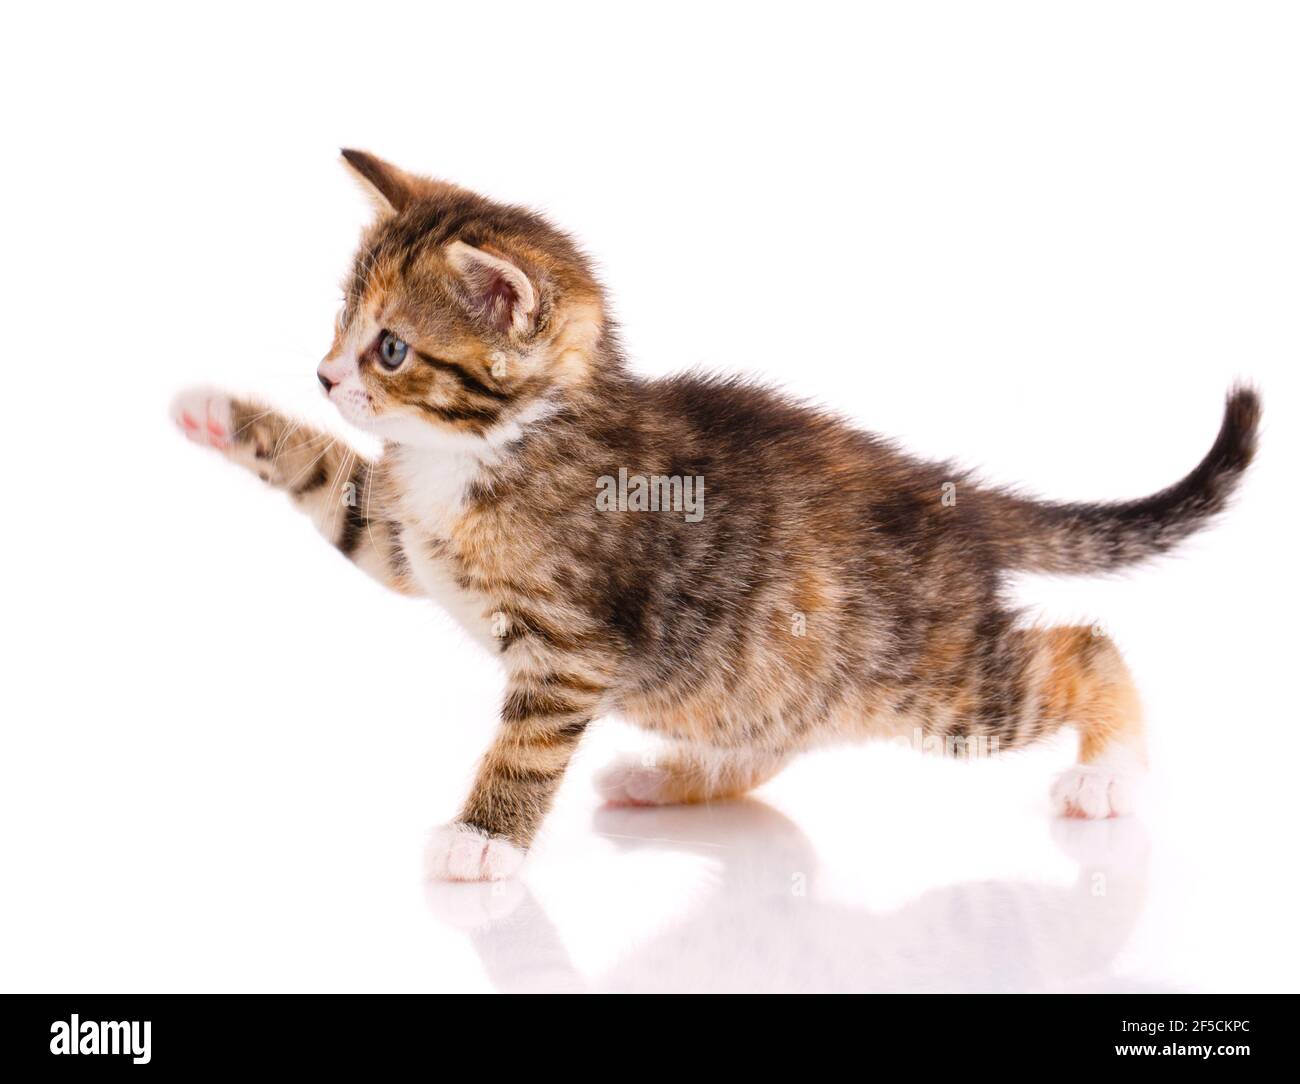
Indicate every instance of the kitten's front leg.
{"type": "Point", "coordinates": [542, 721]}
{"type": "Point", "coordinates": [324, 477]}
{"type": "Point", "coordinates": [283, 452]}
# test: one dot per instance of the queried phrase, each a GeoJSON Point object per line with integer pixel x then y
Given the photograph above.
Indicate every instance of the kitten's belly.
{"type": "Point", "coordinates": [437, 579]}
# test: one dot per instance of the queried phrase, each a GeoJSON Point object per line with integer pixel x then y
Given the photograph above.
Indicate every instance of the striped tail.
{"type": "Point", "coordinates": [1088, 538]}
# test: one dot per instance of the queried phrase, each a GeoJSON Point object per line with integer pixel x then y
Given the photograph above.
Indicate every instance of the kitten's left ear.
{"type": "Point", "coordinates": [389, 188]}
{"type": "Point", "coordinates": [497, 289]}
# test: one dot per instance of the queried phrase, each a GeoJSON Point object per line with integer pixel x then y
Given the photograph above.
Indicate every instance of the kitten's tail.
{"type": "Point", "coordinates": [1084, 538]}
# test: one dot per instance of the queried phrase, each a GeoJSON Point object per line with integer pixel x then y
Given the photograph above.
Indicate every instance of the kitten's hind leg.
{"type": "Point", "coordinates": [1088, 684]}
{"type": "Point", "coordinates": [686, 774]}
{"type": "Point", "coordinates": [1031, 682]}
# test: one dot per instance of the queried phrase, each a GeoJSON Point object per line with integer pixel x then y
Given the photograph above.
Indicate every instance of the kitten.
{"type": "Point", "coordinates": [745, 576]}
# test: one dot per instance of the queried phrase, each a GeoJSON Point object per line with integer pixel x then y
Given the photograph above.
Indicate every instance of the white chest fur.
{"type": "Point", "coordinates": [430, 500]}
{"type": "Point", "coordinates": [431, 484]}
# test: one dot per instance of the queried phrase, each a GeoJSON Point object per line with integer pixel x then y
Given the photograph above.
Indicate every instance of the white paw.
{"type": "Point", "coordinates": [1097, 791]}
{"type": "Point", "coordinates": [630, 782]}
{"type": "Point", "coordinates": [205, 416]}
{"type": "Point", "coordinates": [457, 852]}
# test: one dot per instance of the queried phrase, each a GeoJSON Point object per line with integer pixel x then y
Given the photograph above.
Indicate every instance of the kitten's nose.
{"type": "Point", "coordinates": [325, 381]}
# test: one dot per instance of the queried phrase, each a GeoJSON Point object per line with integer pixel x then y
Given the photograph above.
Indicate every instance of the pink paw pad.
{"type": "Point", "coordinates": [205, 418]}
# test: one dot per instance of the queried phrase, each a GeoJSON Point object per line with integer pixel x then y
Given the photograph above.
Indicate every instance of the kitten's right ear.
{"type": "Point", "coordinates": [496, 289]}
{"type": "Point", "coordinates": [389, 188]}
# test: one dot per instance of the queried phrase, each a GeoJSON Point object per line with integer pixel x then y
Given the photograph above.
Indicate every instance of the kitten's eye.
{"type": "Point", "coordinates": [392, 351]}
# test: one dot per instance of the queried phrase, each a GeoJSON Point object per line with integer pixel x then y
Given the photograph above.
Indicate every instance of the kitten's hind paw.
{"type": "Point", "coordinates": [1095, 791]}
{"type": "Point", "coordinates": [629, 782]}
{"type": "Point", "coordinates": [205, 416]}
{"type": "Point", "coordinates": [458, 852]}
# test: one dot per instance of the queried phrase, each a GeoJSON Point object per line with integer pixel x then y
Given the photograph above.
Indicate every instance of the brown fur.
{"type": "Point", "coordinates": [830, 590]}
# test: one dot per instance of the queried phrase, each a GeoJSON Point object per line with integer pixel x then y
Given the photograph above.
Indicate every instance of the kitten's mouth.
{"type": "Point", "coordinates": [354, 404]}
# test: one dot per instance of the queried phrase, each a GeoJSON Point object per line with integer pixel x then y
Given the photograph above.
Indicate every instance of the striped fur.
{"type": "Point", "coordinates": [828, 592]}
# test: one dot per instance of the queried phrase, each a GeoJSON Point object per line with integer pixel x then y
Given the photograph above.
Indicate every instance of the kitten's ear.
{"type": "Point", "coordinates": [389, 188]}
{"type": "Point", "coordinates": [497, 289]}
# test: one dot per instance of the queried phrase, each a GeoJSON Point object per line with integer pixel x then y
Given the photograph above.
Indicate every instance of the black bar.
{"type": "Point", "coordinates": [380, 1033]}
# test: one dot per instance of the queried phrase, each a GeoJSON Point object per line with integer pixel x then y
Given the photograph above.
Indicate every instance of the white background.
{"type": "Point", "coordinates": [1043, 238]}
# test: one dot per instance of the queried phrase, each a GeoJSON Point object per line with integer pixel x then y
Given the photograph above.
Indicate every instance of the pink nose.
{"type": "Point", "coordinates": [333, 370]}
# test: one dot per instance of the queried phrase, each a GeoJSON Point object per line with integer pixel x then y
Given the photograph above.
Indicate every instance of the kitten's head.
{"type": "Point", "coordinates": [463, 319]}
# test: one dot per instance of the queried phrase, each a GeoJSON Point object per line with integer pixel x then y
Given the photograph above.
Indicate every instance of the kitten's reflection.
{"type": "Point", "coordinates": [765, 929]}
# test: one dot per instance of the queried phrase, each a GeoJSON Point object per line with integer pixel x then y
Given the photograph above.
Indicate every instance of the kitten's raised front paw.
{"type": "Point", "coordinates": [457, 852]}
{"type": "Point", "coordinates": [205, 416]}
{"type": "Point", "coordinates": [1094, 792]}
{"type": "Point", "coordinates": [630, 782]}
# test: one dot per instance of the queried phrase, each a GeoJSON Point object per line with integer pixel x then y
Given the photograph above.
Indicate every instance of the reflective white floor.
{"type": "Point", "coordinates": [764, 922]}
{"type": "Point", "coordinates": [883, 890]}
{"type": "Point", "coordinates": [869, 869]}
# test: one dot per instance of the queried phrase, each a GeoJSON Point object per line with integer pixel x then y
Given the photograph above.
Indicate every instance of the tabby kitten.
{"type": "Point", "coordinates": [743, 575]}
